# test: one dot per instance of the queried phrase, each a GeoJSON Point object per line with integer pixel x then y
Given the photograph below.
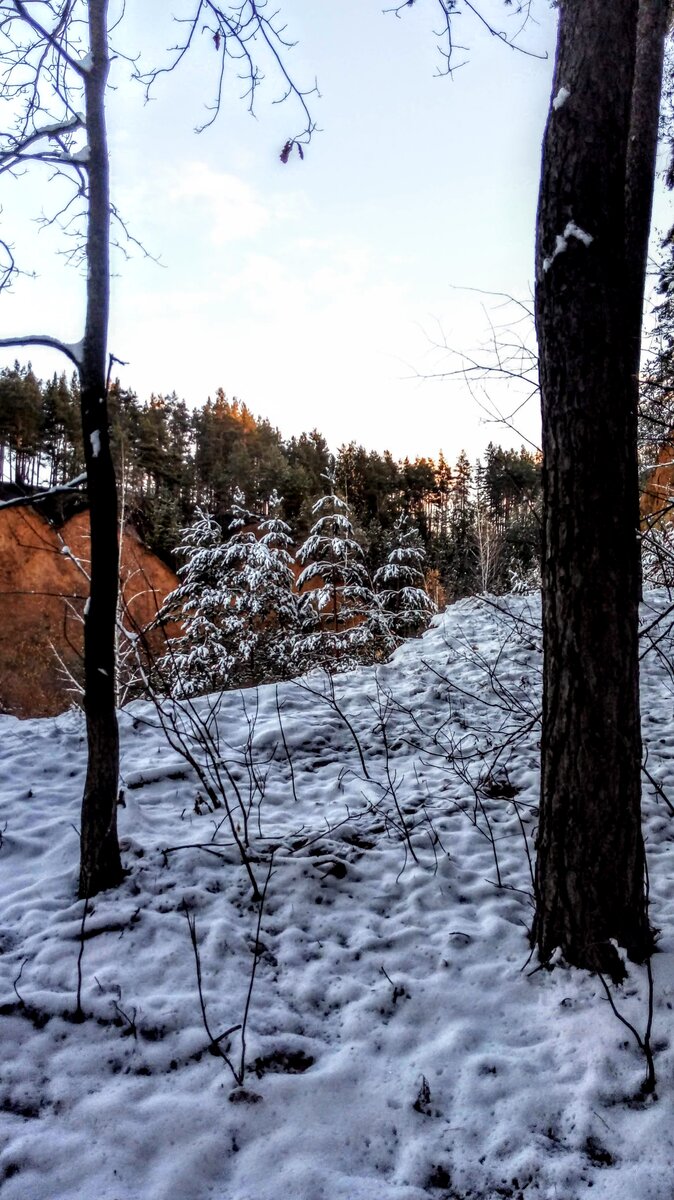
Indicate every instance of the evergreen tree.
{"type": "Point", "coordinates": [169, 459]}
{"type": "Point", "coordinates": [257, 588]}
{"type": "Point", "coordinates": [441, 498]}
{"type": "Point", "coordinates": [405, 606]}
{"type": "Point", "coordinates": [418, 488]}
{"type": "Point", "coordinates": [336, 629]}
{"type": "Point", "coordinates": [199, 660]}
{"type": "Point", "coordinates": [236, 603]}
{"type": "Point", "coordinates": [308, 458]}
{"type": "Point", "coordinates": [274, 607]}
{"type": "Point", "coordinates": [20, 424]}
{"type": "Point", "coordinates": [61, 434]}
{"type": "Point", "coordinates": [460, 575]}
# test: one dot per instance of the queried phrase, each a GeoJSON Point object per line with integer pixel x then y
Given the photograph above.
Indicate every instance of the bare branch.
{"type": "Point", "coordinates": [52, 157]}
{"type": "Point", "coordinates": [451, 9]}
{"type": "Point", "coordinates": [52, 38]}
{"type": "Point", "coordinates": [236, 31]}
{"type": "Point", "coordinates": [44, 339]}
{"type": "Point", "coordinates": [8, 267]}
{"type": "Point", "coordinates": [508, 356]}
{"type": "Point", "coordinates": [56, 131]}
{"type": "Point", "coordinates": [61, 489]}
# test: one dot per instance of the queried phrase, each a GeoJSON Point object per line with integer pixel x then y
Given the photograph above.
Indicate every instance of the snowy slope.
{"type": "Point", "coordinates": [398, 1045]}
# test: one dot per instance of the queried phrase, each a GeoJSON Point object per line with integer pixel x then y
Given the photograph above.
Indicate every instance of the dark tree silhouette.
{"type": "Point", "coordinates": [592, 233]}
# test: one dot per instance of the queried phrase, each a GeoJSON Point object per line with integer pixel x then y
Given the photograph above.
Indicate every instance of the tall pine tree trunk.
{"type": "Point", "coordinates": [590, 866]}
{"type": "Point", "coordinates": [100, 864]}
{"type": "Point", "coordinates": [654, 19]}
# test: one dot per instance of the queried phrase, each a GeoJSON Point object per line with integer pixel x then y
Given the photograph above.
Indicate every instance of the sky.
{"type": "Point", "coordinates": [320, 292]}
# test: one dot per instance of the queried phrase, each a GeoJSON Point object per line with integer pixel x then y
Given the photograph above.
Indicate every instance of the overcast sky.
{"type": "Point", "coordinates": [314, 291]}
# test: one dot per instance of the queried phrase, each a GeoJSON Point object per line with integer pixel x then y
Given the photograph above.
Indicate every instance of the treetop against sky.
{"type": "Point", "coordinates": [317, 291]}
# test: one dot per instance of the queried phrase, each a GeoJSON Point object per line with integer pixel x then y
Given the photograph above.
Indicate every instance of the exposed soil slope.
{"type": "Point", "coordinates": [43, 592]}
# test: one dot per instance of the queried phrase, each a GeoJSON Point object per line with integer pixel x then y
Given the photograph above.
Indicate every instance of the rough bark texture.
{"type": "Point", "coordinates": [654, 19]}
{"type": "Point", "coordinates": [100, 863]}
{"type": "Point", "coordinates": [590, 866]}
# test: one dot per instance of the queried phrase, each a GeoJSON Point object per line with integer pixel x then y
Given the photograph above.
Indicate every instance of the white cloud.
{"type": "Point", "coordinates": [318, 335]}
{"type": "Point", "coordinates": [234, 209]}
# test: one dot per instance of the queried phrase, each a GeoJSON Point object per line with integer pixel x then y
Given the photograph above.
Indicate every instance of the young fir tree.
{"type": "Point", "coordinates": [268, 598]}
{"type": "Point", "coordinates": [235, 603]}
{"type": "Point", "coordinates": [199, 660]}
{"type": "Point", "coordinates": [335, 627]}
{"type": "Point", "coordinates": [405, 608]}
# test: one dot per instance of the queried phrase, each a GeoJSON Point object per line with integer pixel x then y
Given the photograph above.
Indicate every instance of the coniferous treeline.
{"type": "Point", "coordinates": [40, 428]}
{"type": "Point", "coordinates": [479, 522]}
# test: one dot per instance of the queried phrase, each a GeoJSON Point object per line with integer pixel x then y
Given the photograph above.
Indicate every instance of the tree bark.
{"type": "Point", "coordinates": [654, 19]}
{"type": "Point", "coordinates": [100, 863]}
{"type": "Point", "coordinates": [590, 864]}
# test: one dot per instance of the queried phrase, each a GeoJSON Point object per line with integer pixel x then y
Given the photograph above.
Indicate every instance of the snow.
{"type": "Point", "coordinates": [561, 98]}
{"type": "Point", "coordinates": [562, 241]}
{"type": "Point", "coordinates": [400, 1043]}
{"type": "Point", "coordinates": [59, 127]}
{"type": "Point", "coordinates": [235, 601]}
{"type": "Point", "coordinates": [332, 556]}
{"type": "Point", "coordinates": [573, 230]}
{"type": "Point", "coordinates": [75, 350]}
{"type": "Point", "coordinates": [95, 439]}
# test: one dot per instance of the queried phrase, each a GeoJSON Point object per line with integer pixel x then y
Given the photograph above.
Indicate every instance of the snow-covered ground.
{"type": "Point", "coordinates": [399, 1042]}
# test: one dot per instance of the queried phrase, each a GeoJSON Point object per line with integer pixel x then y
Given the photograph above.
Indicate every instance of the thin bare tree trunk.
{"type": "Point", "coordinates": [100, 863]}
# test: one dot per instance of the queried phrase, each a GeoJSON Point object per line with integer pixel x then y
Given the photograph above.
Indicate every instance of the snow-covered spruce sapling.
{"type": "Point", "coordinates": [198, 661]}
{"type": "Point", "coordinates": [274, 606]}
{"type": "Point", "coordinates": [236, 603]}
{"type": "Point", "coordinates": [335, 612]}
{"type": "Point", "coordinates": [192, 730]}
{"type": "Point", "coordinates": [241, 574]}
{"type": "Point", "coordinates": [258, 590]}
{"type": "Point", "coordinates": [405, 609]}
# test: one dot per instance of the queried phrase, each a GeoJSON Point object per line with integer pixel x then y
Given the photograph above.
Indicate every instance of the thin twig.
{"type": "Point", "coordinates": [79, 1012]}
{"type": "Point", "coordinates": [285, 747]}
{"type": "Point", "coordinates": [251, 982]}
{"type": "Point", "coordinates": [213, 1042]}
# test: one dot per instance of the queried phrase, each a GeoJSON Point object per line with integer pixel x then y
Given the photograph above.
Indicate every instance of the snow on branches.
{"type": "Point", "coordinates": [235, 601]}
{"type": "Point", "coordinates": [405, 608]}
{"type": "Point", "coordinates": [336, 629]}
{"type": "Point", "coordinates": [198, 661]}
{"type": "Point", "coordinates": [246, 619]}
